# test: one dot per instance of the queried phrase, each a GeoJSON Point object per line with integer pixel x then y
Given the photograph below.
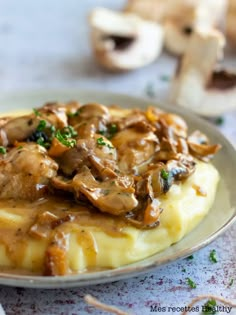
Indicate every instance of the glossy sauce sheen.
{"type": "Point", "coordinates": [42, 219]}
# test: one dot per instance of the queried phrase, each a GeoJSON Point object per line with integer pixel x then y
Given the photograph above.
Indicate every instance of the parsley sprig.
{"type": "Point", "coordinates": [65, 136]}
{"type": "Point", "coordinates": [212, 256]}
{"type": "Point", "coordinates": [3, 150]}
{"type": "Point", "coordinates": [164, 174]}
{"type": "Point", "coordinates": [191, 283]}
{"type": "Point", "coordinates": [209, 308]}
{"type": "Point", "coordinates": [100, 141]}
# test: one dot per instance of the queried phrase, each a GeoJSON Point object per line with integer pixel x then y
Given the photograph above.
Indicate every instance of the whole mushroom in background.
{"type": "Point", "coordinates": [123, 41]}
{"type": "Point", "coordinates": [180, 18]}
{"type": "Point", "coordinates": [198, 83]}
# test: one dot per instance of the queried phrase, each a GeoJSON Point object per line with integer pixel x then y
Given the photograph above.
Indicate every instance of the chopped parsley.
{"type": "Point", "coordinates": [3, 150]}
{"type": "Point", "coordinates": [100, 141]}
{"type": "Point", "coordinates": [20, 147]}
{"type": "Point", "coordinates": [212, 256]}
{"type": "Point", "coordinates": [191, 283]}
{"type": "Point", "coordinates": [64, 139]}
{"type": "Point", "coordinates": [42, 125]}
{"type": "Point", "coordinates": [164, 174]}
{"type": "Point", "coordinates": [183, 270]}
{"type": "Point", "coordinates": [164, 77]}
{"type": "Point", "coordinates": [113, 130]}
{"type": "Point", "coordinates": [219, 121]}
{"type": "Point", "coordinates": [231, 282]}
{"type": "Point", "coordinates": [41, 141]}
{"type": "Point", "coordinates": [110, 132]}
{"type": "Point", "coordinates": [69, 132]}
{"type": "Point", "coordinates": [36, 112]}
{"type": "Point", "coordinates": [75, 114]}
{"type": "Point", "coordinates": [149, 90]}
{"type": "Point", "coordinates": [209, 308]}
{"type": "Point", "coordinates": [190, 257]}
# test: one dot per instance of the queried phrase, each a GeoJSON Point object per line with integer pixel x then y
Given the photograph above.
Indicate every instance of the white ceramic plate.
{"type": "Point", "coordinates": [221, 216]}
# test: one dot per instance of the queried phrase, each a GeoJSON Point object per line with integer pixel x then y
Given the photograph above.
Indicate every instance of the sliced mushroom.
{"type": "Point", "coordinates": [108, 196]}
{"type": "Point", "coordinates": [97, 153]}
{"type": "Point", "coordinates": [123, 41]}
{"type": "Point", "coordinates": [148, 211]}
{"type": "Point", "coordinates": [17, 129]}
{"type": "Point", "coordinates": [134, 148]}
{"type": "Point", "coordinates": [164, 175]}
{"type": "Point", "coordinates": [213, 92]}
{"type": "Point", "coordinates": [91, 119]}
{"type": "Point", "coordinates": [231, 22]}
{"type": "Point", "coordinates": [199, 146]}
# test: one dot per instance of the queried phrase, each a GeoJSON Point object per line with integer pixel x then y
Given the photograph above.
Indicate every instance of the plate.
{"type": "Point", "coordinates": [221, 216]}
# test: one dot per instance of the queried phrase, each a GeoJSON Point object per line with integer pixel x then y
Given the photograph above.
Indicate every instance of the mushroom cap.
{"type": "Point", "coordinates": [123, 41]}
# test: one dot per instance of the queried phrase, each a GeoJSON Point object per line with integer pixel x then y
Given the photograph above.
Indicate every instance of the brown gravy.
{"type": "Point", "coordinates": [45, 218]}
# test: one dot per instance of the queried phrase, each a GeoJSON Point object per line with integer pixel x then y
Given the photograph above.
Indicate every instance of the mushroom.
{"type": "Point", "coordinates": [123, 41]}
{"type": "Point", "coordinates": [22, 177]}
{"type": "Point", "coordinates": [97, 153]}
{"type": "Point", "coordinates": [115, 196]}
{"type": "Point", "coordinates": [180, 18]}
{"type": "Point", "coordinates": [186, 17]}
{"type": "Point", "coordinates": [231, 22]}
{"type": "Point", "coordinates": [199, 146]}
{"type": "Point", "coordinates": [198, 84]}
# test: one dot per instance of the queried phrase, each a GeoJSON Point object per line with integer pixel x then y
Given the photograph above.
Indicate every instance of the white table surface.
{"type": "Point", "coordinates": [44, 45]}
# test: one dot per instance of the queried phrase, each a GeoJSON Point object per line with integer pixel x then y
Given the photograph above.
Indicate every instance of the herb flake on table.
{"type": "Point", "coordinates": [149, 90]}
{"type": "Point", "coordinates": [165, 78]}
{"type": "Point", "coordinates": [191, 283]}
{"type": "Point", "coordinates": [231, 282]}
{"type": "Point", "coordinates": [191, 257]}
{"type": "Point", "coordinates": [213, 257]}
{"type": "Point", "coordinates": [209, 308]}
{"type": "Point", "coordinates": [219, 121]}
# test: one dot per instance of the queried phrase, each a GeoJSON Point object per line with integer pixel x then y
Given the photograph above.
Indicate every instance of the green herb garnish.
{"type": "Point", "coordinates": [191, 283]}
{"type": "Point", "coordinates": [212, 256]}
{"type": "Point", "coordinates": [3, 150]}
{"type": "Point", "coordinates": [20, 147]}
{"type": "Point", "coordinates": [231, 282]}
{"type": "Point", "coordinates": [113, 130]}
{"type": "Point", "coordinates": [100, 141]}
{"type": "Point", "coordinates": [219, 121]}
{"type": "Point", "coordinates": [183, 270]}
{"type": "Point", "coordinates": [164, 77]}
{"type": "Point", "coordinates": [164, 174]}
{"type": "Point", "coordinates": [75, 114]}
{"type": "Point", "coordinates": [36, 112]}
{"type": "Point", "coordinates": [41, 141]}
{"type": "Point", "coordinates": [190, 257]}
{"type": "Point", "coordinates": [64, 139]}
{"type": "Point", "coordinates": [149, 90]}
{"type": "Point", "coordinates": [69, 132]}
{"type": "Point", "coordinates": [209, 308]}
{"type": "Point", "coordinates": [42, 125]}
